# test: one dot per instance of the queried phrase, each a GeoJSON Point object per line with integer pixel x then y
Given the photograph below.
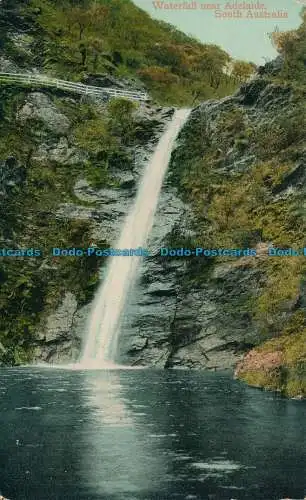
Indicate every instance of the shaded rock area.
{"type": "Point", "coordinates": [181, 313]}
{"type": "Point", "coordinates": [54, 339]}
{"type": "Point", "coordinates": [190, 327]}
{"type": "Point", "coordinates": [60, 340]}
{"type": "Point", "coordinates": [12, 175]}
{"type": "Point", "coordinates": [172, 318]}
{"type": "Point", "coordinates": [40, 107]}
{"type": "Point", "coordinates": [107, 80]}
{"type": "Point", "coordinates": [61, 335]}
{"type": "Point", "coordinates": [109, 206]}
{"type": "Point", "coordinates": [61, 153]}
{"type": "Point", "coordinates": [179, 322]}
{"type": "Point", "coordinates": [8, 66]}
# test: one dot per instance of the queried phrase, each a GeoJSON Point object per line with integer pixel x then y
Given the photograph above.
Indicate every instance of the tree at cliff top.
{"type": "Point", "coordinates": [292, 46]}
{"type": "Point", "coordinates": [75, 38]}
{"type": "Point", "coordinates": [242, 70]}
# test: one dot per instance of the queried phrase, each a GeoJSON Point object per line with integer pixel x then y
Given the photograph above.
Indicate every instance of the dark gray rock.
{"type": "Point", "coordinates": [272, 97]}
{"type": "Point", "coordinates": [12, 175]}
{"type": "Point", "coordinates": [59, 323]}
{"type": "Point", "coordinates": [23, 43]}
{"type": "Point", "coordinates": [84, 192]}
{"type": "Point", "coordinates": [103, 81]}
{"type": "Point", "coordinates": [39, 107]}
{"type": "Point", "coordinates": [60, 340]}
{"type": "Point", "coordinates": [294, 179]}
{"type": "Point", "coordinates": [195, 328]}
{"type": "Point", "coordinates": [207, 326]}
{"type": "Point", "coordinates": [138, 343]}
{"type": "Point", "coordinates": [109, 81]}
{"type": "Point", "coordinates": [126, 180]}
{"type": "Point", "coordinates": [56, 341]}
{"type": "Point", "coordinates": [249, 93]}
{"type": "Point", "coordinates": [8, 66]}
{"type": "Point", "coordinates": [61, 153]}
{"type": "Point", "coordinates": [271, 68]}
{"type": "Point", "coordinates": [77, 212]}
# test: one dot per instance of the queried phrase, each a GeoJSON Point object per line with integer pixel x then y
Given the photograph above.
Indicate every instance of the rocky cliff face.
{"type": "Point", "coordinates": [234, 156]}
{"type": "Point", "coordinates": [241, 169]}
{"type": "Point", "coordinates": [195, 312]}
{"type": "Point", "coordinates": [50, 171]}
{"type": "Point", "coordinates": [174, 321]}
{"type": "Point", "coordinates": [169, 320]}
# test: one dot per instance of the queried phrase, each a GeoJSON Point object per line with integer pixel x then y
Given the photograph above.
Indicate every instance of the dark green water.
{"type": "Point", "coordinates": [147, 435]}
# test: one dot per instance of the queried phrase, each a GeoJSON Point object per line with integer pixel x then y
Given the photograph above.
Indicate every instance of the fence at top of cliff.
{"type": "Point", "coordinates": [80, 88]}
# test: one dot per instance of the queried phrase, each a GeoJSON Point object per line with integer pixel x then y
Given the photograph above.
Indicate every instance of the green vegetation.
{"type": "Point", "coordinates": [242, 70]}
{"type": "Point", "coordinates": [231, 166]}
{"type": "Point", "coordinates": [32, 288]}
{"type": "Point", "coordinates": [234, 198]}
{"type": "Point", "coordinates": [105, 138]}
{"type": "Point", "coordinates": [74, 38]}
{"type": "Point", "coordinates": [292, 46]}
{"type": "Point", "coordinates": [290, 377]}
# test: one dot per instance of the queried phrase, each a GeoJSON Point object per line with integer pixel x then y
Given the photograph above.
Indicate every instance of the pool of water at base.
{"type": "Point", "coordinates": [147, 435]}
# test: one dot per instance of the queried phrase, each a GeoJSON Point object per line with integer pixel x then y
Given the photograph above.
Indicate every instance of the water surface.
{"type": "Point", "coordinates": [146, 435]}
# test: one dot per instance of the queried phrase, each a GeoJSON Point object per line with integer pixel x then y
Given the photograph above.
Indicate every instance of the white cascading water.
{"type": "Point", "coordinates": [104, 322]}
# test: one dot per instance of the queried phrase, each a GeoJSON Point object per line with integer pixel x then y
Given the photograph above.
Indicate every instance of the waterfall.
{"type": "Point", "coordinates": [104, 321]}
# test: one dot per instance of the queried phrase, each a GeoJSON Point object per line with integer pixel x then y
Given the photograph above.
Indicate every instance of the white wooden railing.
{"type": "Point", "coordinates": [80, 88]}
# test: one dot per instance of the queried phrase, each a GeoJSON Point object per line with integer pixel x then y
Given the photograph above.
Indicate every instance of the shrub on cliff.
{"type": "Point", "coordinates": [118, 37]}
{"type": "Point", "coordinates": [292, 46]}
